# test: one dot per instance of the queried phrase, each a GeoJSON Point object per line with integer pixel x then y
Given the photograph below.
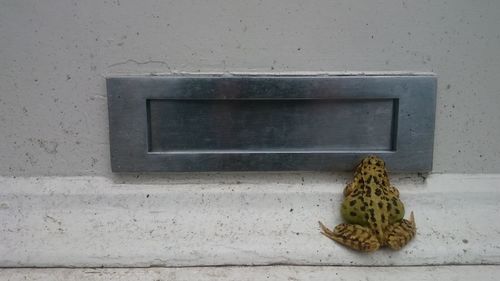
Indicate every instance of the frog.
{"type": "Point", "coordinates": [373, 211]}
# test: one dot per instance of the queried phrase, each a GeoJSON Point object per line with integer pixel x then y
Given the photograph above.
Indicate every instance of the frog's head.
{"type": "Point", "coordinates": [371, 161]}
{"type": "Point", "coordinates": [373, 166]}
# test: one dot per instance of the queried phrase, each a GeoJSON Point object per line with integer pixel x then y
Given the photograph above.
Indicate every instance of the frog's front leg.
{"type": "Point", "coordinates": [349, 189]}
{"type": "Point", "coordinates": [354, 236]}
{"type": "Point", "coordinates": [394, 190]}
{"type": "Point", "coordinates": [352, 186]}
{"type": "Point", "coordinates": [399, 234]}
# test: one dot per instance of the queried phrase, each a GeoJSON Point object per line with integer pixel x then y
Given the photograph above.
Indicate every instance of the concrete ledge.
{"type": "Point", "coordinates": [255, 219]}
{"type": "Point", "coordinates": [484, 273]}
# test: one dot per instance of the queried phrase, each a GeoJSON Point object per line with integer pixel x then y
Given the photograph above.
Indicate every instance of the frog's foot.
{"type": "Point", "coordinates": [352, 235]}
{"type": "Point", "coordinates": [400, 233]}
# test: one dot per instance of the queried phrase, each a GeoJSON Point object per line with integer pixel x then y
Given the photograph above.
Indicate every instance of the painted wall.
{"type": "Point", "coordinates": [54, 56]}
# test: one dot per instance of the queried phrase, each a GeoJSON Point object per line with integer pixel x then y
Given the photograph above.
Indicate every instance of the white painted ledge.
{"type": "Point", "coordinates": [249, 219]}
{"type": "Point", "coordinates": [275, 273]}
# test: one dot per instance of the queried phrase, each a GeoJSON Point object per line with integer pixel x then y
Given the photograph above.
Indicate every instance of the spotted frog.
{"type": "Point", "coordinates": [373, 211]}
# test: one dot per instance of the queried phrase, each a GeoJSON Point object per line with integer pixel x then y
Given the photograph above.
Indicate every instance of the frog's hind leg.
{"type": "Point", "coordinates": [400, 233]}
{"type": "Point", "coordinates": [353, 236]}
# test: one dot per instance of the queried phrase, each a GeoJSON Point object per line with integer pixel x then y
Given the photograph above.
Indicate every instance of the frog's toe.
{"type": "Point", "coordinates": [400, 233]}
{"type": "Point", "coordinates": [353, 236]}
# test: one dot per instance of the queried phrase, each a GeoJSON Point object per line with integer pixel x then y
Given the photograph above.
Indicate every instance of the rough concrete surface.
{"type": "Point", "coordinates": [56, 54]}
{"type": "Point", "coordinates": [289, 273]}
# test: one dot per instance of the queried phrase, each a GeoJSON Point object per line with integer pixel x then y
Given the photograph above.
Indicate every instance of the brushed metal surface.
{"type": "Point", "coordinates": [238, 123]}
{"type": "Point", "coordinates": [270, 125]}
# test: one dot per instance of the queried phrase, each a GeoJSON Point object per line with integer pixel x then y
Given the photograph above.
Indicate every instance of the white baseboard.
{"type": "Point", "coordinates": [181, 221]}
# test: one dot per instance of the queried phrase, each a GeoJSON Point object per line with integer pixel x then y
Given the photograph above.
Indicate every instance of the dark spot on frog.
{"type": "Point", "coordinates": [352, 203]}
{"type": "Point", "coordinates": [382, 218]}
{"type": "Point", "coordinates": [363, 208]}
{"type": "Point", "coordinates": [353, 214]}
{"type": "Point", "coordinates": [465, 241]}
{"type": "Point", "coordinates": [394, 201]}
{"type": "Point", "coordinates": [370, 179]}
{"type": "Point", "coordinates": [380, 205]}
{"type": "Point", "coordinates": [372, 213]}
{"type": "Point", "coordinates": [397, 211]}
{"type": "Point", "coordinates": [389, 206]}
{"type": "Point", "coordinates": [368, 191]}
{"type": "Point", "coordinates": [378, 191]}
{"type": "Point", "coordinates": [367, 217]}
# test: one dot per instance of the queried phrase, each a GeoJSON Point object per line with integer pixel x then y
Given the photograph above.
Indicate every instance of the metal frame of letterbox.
{"type": "Point", "coordinates": [414, 98]}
